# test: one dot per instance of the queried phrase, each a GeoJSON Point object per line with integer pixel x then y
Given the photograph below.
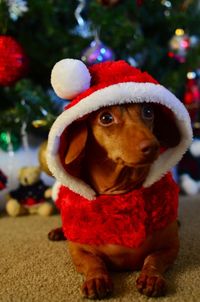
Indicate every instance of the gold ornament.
{"type": "Point", "coordinates": [42, 158]}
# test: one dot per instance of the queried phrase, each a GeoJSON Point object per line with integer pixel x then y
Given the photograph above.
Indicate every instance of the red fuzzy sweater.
{"type": "Point", "coordinates": [125, 219]}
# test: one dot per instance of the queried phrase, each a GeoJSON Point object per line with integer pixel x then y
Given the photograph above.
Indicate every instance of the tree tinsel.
{"type": "Point", "coordinates": [45, 32]}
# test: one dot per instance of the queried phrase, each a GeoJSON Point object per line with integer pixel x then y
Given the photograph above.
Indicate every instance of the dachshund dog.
{"type": "Point", "coordinates": [112, 150]}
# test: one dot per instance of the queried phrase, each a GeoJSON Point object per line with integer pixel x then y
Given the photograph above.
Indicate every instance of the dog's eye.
{"type": "Point", "coordinates": [147, 112]}
{"type": "Point", "coordinates": [106, 118]}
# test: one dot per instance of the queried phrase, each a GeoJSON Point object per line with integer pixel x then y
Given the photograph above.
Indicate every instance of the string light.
{"type": "Point", "coordinates": [179, 32]}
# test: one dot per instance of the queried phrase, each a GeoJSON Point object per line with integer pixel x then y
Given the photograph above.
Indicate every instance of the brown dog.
{"type": "Point", "coordinates": [112, 150]}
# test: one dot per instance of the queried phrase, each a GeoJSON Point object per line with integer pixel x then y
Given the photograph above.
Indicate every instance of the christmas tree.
{"type": "Point", "coordinates": [159, 36]}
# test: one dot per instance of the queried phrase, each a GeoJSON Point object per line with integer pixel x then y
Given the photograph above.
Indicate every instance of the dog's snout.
{"type": "Point", "coordinates": [148, 147]}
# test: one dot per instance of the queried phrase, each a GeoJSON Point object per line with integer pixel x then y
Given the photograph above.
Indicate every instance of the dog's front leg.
{"type": "Point", "coordinates": [97, 284]}
{"type": "Point", "coordinates": [151, 281]}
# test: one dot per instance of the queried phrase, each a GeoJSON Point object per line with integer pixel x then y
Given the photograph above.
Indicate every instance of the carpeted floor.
{"type": "Point", "coordinates": [33, 269]}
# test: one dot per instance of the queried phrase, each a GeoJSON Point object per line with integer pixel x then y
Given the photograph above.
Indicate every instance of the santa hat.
{"type": "Point", "coordinates": [106, 84]}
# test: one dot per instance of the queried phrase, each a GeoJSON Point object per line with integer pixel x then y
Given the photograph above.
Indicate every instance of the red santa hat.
{"type": "Point", "coordinates": [106, 84]}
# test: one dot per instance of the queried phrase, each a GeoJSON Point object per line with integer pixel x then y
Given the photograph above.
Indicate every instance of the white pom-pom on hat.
{"type": "Point", "coordinates": [70, 77]}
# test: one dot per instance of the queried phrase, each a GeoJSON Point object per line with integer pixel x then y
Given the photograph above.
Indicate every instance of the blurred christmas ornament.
{"type": "Point", "coordinates": [42, 158]}
{"type": "Point", "coordinates": [9, 141]}
{"type": "Point", "coordinates": [83, 28]}
{"type": "Point", "coordinates": [179, 45]}
{"type": "Point", "coordinates": [192, 98]}
{"type": "Point", "coordinates": [109, 2]}
{"type": "Point", "coordinates": [97, 52]}
{"type": "Point", "coordinates": [17, 8]}
{"type": "Point", "coordinates": [192, 94]}
{"type": "Point", "coordinates": [13, 61]}
{"type": "Point", "coordinates": [3, 180]}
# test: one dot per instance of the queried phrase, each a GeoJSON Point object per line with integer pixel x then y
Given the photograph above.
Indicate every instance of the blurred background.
{"type": "Point", "coordinates": [159, 36]}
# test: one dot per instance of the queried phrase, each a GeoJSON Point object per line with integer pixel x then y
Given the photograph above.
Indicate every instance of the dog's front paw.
{"type": "Point", "coordinates": [151, 285]}
{"type": "Point", "coordinates": [56, 235]}
{"type": "Point", "coordinates": [97, 287]}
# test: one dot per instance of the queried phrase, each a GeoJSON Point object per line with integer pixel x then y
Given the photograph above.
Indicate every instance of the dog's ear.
{"type": "Point", "coordinates": [165, 128]}
{"type": "Point", "coordinates": [73, 150]}
{"type": "Point", "coordinates": [77, 137]}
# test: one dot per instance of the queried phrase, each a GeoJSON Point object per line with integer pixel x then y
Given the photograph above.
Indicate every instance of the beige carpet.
{"type": "Point", "coordinates": [34, 269]}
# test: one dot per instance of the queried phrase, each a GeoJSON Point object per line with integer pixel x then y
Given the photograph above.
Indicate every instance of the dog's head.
{"type": "Point", "coordinates": [131, 135]}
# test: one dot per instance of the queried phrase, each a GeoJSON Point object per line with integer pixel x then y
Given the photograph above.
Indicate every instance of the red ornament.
{"type": "Point", "coordinates": [13, 61]}
{"type": "Point", "coordinates": [192, 98]}
{"type": "Point", "coordinates": [192, 93]}
{"type": "Point", "coordinates": [3, 180]}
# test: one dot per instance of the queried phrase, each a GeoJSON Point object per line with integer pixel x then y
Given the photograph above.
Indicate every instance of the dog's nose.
{"type": "Point", "coordinates": [148, 147]}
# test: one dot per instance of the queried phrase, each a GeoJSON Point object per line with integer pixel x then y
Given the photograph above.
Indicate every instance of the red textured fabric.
{"type": "Point", "coordinates": [125, 219]}
{"type": "Point", "coordinates": [109, 73]}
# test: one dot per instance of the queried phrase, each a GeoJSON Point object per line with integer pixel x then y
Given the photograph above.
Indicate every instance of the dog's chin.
{"type": "Point", "coordinates": [138, 164]}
